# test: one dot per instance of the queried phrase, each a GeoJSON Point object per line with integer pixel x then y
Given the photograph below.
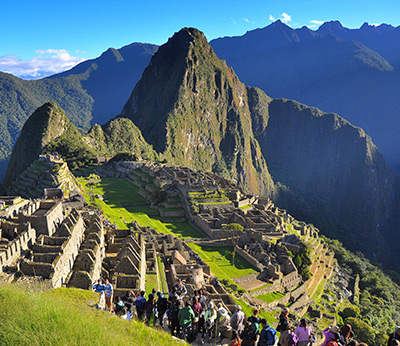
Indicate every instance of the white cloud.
{"type": "Point", "coordinates": [374, 24]}
{"type": "Point", "coordinates": [317, 22]}
{"type": "Point", "coordinates": [233, 21]}
{"type": "Point", "coordinates": [46, 63]}
{"type": "Point", "coordinates": [247, 20]}
{"type": "Point", "coordinates": [284, 18]}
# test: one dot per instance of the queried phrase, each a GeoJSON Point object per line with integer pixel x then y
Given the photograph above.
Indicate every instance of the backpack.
{"type": "Point", "coordinates": [293, 339]}
{"type": "Point", "coordinates": [270, 338]}
{"type": "Point", "coordinates": [236, 342]}
{"type": "Point", "coordinates": [255, 324]}
{"type": "Point", "coordinates": [332, 343]}
{"type": "Point", "coordinates": [140, 303]}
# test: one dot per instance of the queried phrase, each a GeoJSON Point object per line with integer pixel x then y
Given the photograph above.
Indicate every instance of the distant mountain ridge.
{"type": "Point", "coordinates": [352, 72]}
{"type": "Point", "coordinates": [93, 91]}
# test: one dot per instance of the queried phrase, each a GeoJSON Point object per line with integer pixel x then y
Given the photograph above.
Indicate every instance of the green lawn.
{"type": "Point", "coordinates": [220, 262]}
{"type": "Point", "coordinates": [270, 297]}
{"type": "Point", "coordinates": [151, 282]}
{"type": "Point", "coordinates": [117, 192]}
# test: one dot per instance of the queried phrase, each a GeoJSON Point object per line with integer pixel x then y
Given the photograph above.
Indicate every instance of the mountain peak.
{"type": "Point", "coordinates": [331, 27]}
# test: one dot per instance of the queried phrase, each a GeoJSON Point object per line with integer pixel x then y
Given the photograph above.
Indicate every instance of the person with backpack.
{"type": "Point", "coordinates": [224, 330]}
{"type": "Point", "coordinates": [335, 341]}
{"type": "Point", "coordinates": [328, 333]}
{"type": "Point", "coordinates": [255, 321]}
{"type": "Point", "coordinates": [267, 334]}
{"type": "Point", "coordinates": [209, 324]}
{"type": "Point", "coordinates": [186, 317]}
{"type": "Point", "coordinates": [140, 305]}
{"type": "Point", "coordinates": [173, 316]}
{"type": "Point", "coordinates": [248, 335]}
{"type": "Point", "coordinates": [161, 306]}
{"type": "Point", "coordinates": [303, 331]}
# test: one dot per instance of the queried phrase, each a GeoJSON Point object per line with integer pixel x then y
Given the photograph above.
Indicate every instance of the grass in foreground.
{"type": "Point", "coordinates": [30, 316]}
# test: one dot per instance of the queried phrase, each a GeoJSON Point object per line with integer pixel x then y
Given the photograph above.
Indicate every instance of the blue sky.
{"type": "Point", "coordinates": [42, 37]}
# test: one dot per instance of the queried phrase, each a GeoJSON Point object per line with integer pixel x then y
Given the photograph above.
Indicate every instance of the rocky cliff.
{"type": "Point", "coordinates": [330, 166]}
{"type": "Point", "coordinates": [193, 109]}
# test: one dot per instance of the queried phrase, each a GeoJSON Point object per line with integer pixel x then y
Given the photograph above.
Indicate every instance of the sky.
{"type": "Point", "coordinates": [43, 37]}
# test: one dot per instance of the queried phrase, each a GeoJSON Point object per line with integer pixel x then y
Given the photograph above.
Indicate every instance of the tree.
{"type": "Point", "coordinates": [362, 330]}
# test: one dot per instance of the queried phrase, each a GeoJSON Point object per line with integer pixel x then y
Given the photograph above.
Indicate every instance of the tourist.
{"type": "Point", "coordinates": [173, 316]}
{"type": "Point", "coordinates": [209, 324]}
{"type": "Point", "coordinates": [109, 292]}
{"type": "Point", "coordinates": [328, 333]}
{"type": "Point", "coordinates": [237, 320]}
{"type": "Point", "coordinates": [345, 333]}
{"type": "Point", "coordinates": [248, 335]}
{"type": "Point", "coordinates": [255, 321]}
{"type": "Point", "coordinates": [394, 336]}
{"type": "Point", "coordinates": [288, 337]}
{"type": "Point", "coordinates": [197, 309]}
{"type": "Point", "coordinates": [224, 330]}
{"type": "Point", "coordinates": [185, 318]}
{"type": "Point", "coordinates": [179, 289]}
{"type": "Point", "coordinates": [149, 309]}
{"type": "Point", "coordinates": [98, 287]}
{"type": "Point", "coordinates": [140, 305]}
{"type": "Point", "coordinates": [283, 320]}
{"type": "Point", "coordinates": [335, 341]}
{"type": "Point", "coordinates": [267, 334]}
{"type": "Point", "coordinates": [303, 331]}
{"type": "Point", "coordinates": [129, 300]}
{"type": "Point", "coordinates": [161, 305]}
{"type": "Point", "coordinates": [120, 308]}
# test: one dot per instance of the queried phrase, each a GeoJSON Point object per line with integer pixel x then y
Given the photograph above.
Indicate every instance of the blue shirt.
{"type": "Point", "coordinates": [98, 288]}
{"type": "Point", "coordinates": [108, 290]}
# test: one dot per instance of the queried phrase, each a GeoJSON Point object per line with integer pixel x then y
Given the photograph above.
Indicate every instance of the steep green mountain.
{"type": "Point", "coordinates": [349, 72]}
{"type": "Point", "coordinates": [333, 174]}
{"type": "Point", "coordinates": [93, 91]}
{"type": "Point", "coordinates": [119, 135]}
{"type": "Point", "coordinates": [193, 109]}
{"type": "Point", "coordinates": [46, 124]}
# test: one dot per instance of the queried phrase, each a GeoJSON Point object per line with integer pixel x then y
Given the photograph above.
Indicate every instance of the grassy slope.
{"type": "Point", "coordinates": [30, 316]}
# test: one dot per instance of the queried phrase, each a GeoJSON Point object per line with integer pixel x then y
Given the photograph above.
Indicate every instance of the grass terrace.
{"type": "Point", "coordinates": [119, 195]}
{"type": "Point", "coordinates": [270, 297]}
{"type": "Point", "coordinates": [220, 262]}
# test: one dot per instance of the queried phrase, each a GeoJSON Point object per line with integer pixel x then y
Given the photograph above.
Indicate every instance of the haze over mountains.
{"type": "Point", "coordinates": [352, 72]}
{"type": "Point", "coordinates": [202, 116]}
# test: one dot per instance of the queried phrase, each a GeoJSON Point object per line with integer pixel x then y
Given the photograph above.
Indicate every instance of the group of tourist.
{"type": "Point", "coordinates": [187, 317]}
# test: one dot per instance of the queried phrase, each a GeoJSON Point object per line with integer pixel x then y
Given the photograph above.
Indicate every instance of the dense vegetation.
{"type": "Point", "coordinates": [376, 309]}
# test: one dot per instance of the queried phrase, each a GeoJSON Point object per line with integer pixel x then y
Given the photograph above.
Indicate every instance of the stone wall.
{"type": "Point", "coordinates": [46, 219]}
{"type": "Point", "coordinates": [249, 258]}
{"type": "Point", "coordinates": [13, 250]}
